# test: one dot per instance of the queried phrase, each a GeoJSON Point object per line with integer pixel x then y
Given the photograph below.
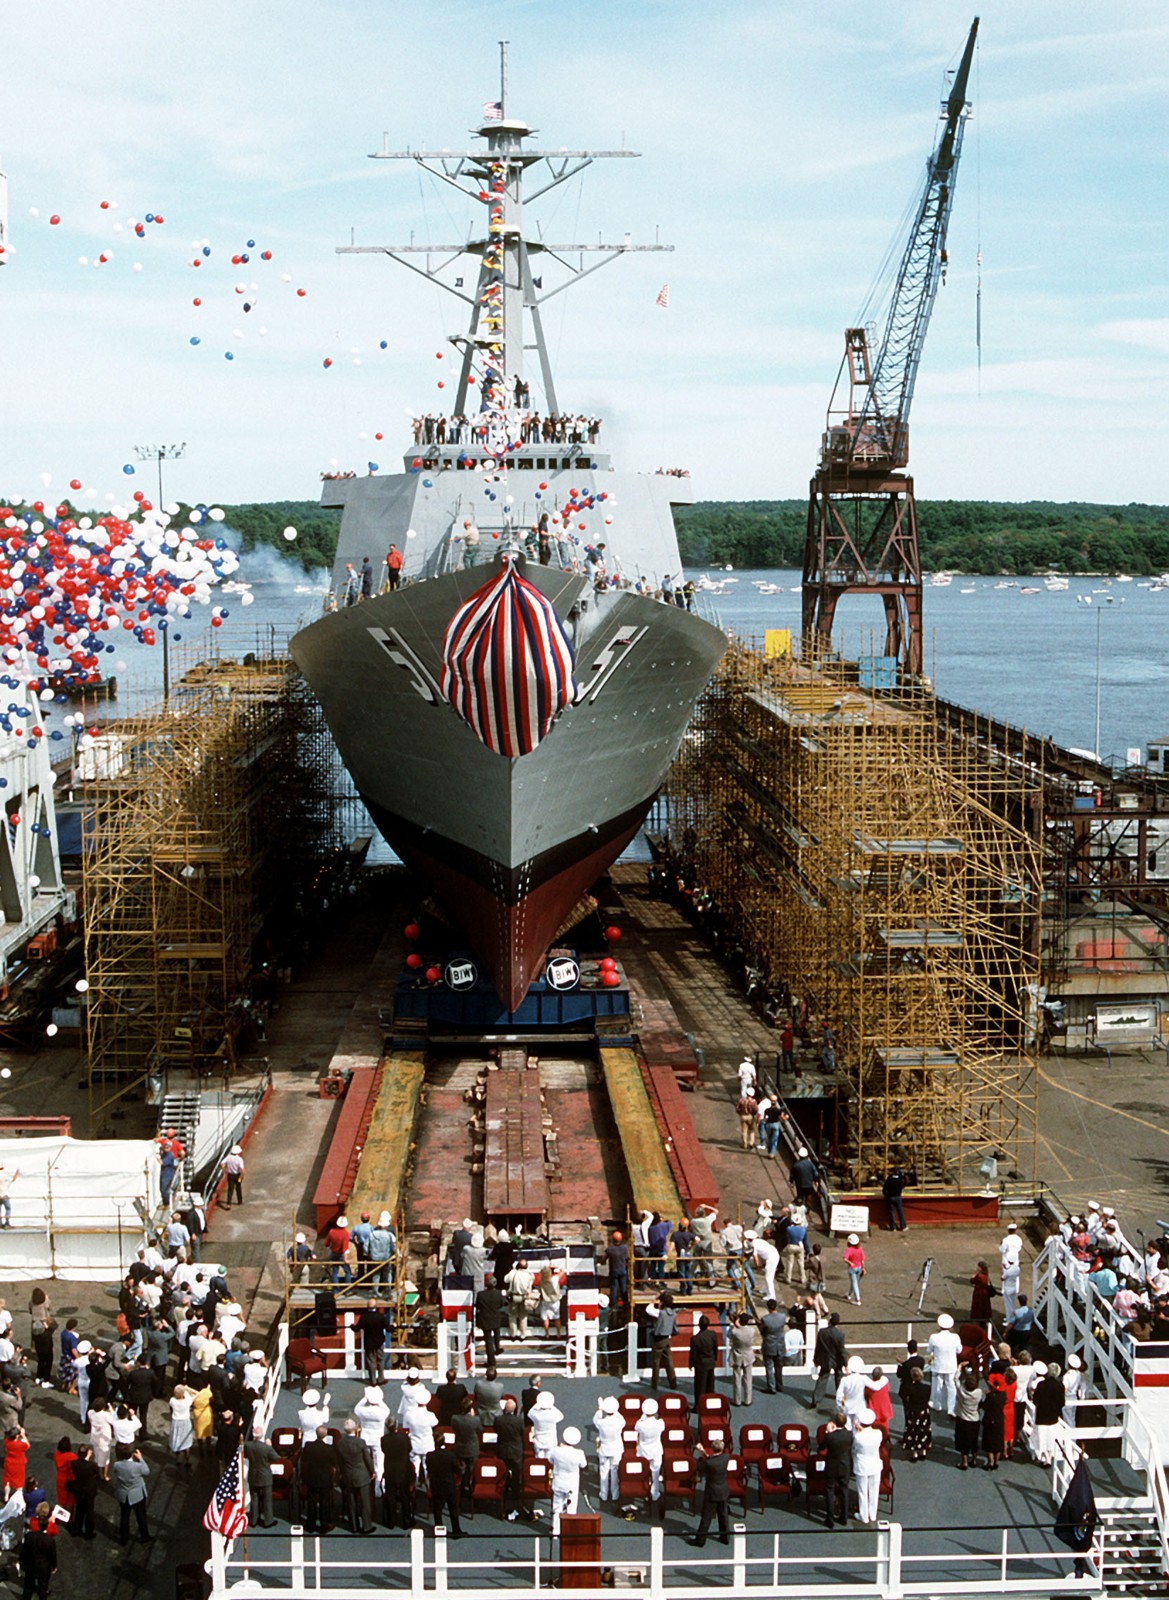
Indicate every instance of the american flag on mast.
{"type": "Point", "coordinates": [225, 1514]}
{"type": "Point", "coordinates": [663, 298]}
{"type": "Point", "coordinates": [493, 110]}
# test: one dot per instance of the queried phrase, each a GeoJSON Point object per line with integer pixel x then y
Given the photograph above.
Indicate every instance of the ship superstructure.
{"type": "Point", "coordinates": [510, 706]}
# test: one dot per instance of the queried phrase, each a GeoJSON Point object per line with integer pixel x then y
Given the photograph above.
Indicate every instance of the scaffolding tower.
{"type": "Point", "coordinates": [206, 815]}
{"type": "Point", "coordinates": [882, 874]}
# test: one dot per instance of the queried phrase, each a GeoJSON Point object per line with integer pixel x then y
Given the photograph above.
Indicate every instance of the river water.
{"type": "Point", "coordinates": [1030, 659]}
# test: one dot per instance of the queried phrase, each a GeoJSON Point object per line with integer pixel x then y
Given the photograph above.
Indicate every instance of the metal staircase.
{"type": "Point", "coordinates": [1130, 1548]}
{"type": "Point", "coordinates": [181, 1112]}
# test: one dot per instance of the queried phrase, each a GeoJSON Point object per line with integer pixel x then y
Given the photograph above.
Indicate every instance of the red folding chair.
{"type": "Point", "coordinates": [712, 1431]}
{"type": "Point", "coordinates": [677, 1439]}
{"type": "Point", "coordinates": [488, 1484]}
{"type": "Point", "coordinates": [775, 1479]}
{"type": "Point", "coordinates": [816, 1479]}
{"type": "Point", "coordinates": [488, 1442]}
{"type": "Point", "coordinates": [286, 1442]}
{"type": "Point", "coordinates": [535, 1481]}
{"type": "Point", "coordinates": [791, 1442]}
{"type": "Point", "coordinates": [679, 1479]}
{"type": "Point", "coordinates": [888, 1481]}
{"type": "Point", "coordinates": [303, 1360]}
{"type": "Point", "coordinates": [444, 1438]}
{"type": "Point", "coordinates": [713, 1405]}
{"type": "Point", "coordinates": [634, 1480]}
{"type": "Point", "coordinates": [629, 1441]}
{"type": "Point", "coordinates": [737, 1482]}
{"type": "Point", "coordinates": [284, 1489]}
{"type": "Point", "coordinates": [629, 1406]}
{"type": "Point", "coordinates": [754, 1442]}
{"type": "Point", "coordinates": [673, 1408]}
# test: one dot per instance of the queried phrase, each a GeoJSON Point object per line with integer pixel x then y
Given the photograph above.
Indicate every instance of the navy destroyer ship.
{"type": "Point", "coordinates": [510, 697]}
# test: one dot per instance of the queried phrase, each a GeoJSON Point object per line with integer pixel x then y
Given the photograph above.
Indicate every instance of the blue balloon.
{"type": "Point", "coordinates": [228, 355]}
{"type": "Point", "coordinates": [150, 216]}
{"type": "Point", "coordinates": [206, 249]}
{"type": "Point", "coordinates": [178, 637]}
{"type": "Point", "coordinates": [373, 466]}
{"type": "Point", "coordinates": [427, 484]}
{"type": "Point", "coordinates": [56, 734]}
{"type": "Point", "coordinates": [195, 339]}
{"type": "Point", "coordinates": [251, 244]}
{"type": "Point", "coordinates": [128, 470]}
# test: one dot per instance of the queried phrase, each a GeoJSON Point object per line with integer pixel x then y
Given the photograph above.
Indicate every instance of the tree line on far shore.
{"type": "Point", "coordinates": [1014, 538]}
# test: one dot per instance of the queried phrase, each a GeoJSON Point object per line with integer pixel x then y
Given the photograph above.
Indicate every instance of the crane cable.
{"type": "Point", "coordinates": [978, 216]}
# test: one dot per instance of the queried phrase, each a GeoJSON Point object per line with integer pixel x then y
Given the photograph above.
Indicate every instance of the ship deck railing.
{"type": "Point", "coordinates": [885, 1560]}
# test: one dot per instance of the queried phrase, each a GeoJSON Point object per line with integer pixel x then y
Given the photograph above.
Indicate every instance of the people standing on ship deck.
{"type": "Point", "coordinates": [394, 563]}
{"type": "Point", "coordinates": [943, 1350]}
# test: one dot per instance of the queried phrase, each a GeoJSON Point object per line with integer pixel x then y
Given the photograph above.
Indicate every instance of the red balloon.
{"type": "Point", "coordinates": [217, 622]}
{"type": "Point", "coordinates": [607, 964]}
{"type": "Point", "coordinates": [158, 219]}
{"type": "Point", "coordinates": [75, 483]}
{"type": "Point", "coordinates": [413, 960]}
{"type": "Point", "coordinates": [410, 931]}
{"type": "Point", "coordinates": [302, 293]}
{"type": "Point", "coordinates": [377, 436]}
{"type": "Point", "coordinates": [433, 974]}
{"type": "Point", "coordinates": [610, 980]}
{"type": "Point", "coordinates": [53, 220]}
{"type": "Point", "coordinates": [196, 302]}
{"type": "Point", "coordinates": [612, 934]}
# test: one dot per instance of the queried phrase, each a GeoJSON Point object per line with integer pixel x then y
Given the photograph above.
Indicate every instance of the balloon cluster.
{"type": "Point", "coordinates": [67, 582]}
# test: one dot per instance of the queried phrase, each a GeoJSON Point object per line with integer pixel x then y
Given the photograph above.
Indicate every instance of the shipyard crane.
{"type": "Point", "coordinates": [862, 525]}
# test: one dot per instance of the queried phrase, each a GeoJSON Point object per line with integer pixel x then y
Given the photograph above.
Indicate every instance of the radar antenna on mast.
{"type": "Point", "coordinates": [862, 522]}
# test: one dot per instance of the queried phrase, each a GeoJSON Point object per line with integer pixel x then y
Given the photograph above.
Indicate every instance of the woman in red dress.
{"type": "Point", "coordinates": [980, 1293]}
{"type": "Point", "coordinates": [63, 1458]}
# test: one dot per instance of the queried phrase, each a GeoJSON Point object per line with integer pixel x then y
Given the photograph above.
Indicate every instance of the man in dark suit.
{"type": "Point", "coordinates": [509, 1430]}
{"type": "Point", "coordinates": [260, 1455]}
{"type": "Point", "coordinates": [138, 1391]}
{"type": "Point", "coordinates": [704, 1354]}
{"type": "Point", "coordinates": [449, 1396]}
{"type": "Point", "coordinates": [371, 1324]}
{"type": "Point", "coordinates": [773, 1326]}
{"type": "Point", "coordinates": [715, 1493]}
{"type": "Point", "coordinates": [829, 1356]}
{"type": "Point", "coordinates": [38, 1556]}
{"type": "Point", "coordinates": [443, 1471]}
{"type": "Point", "coordinates": [355, 1469]}
{"type": "Point", "coordinates": [528, 1396]}
{"type": "Point", "coordinates": [318, 1474]}
{"type": "Point", "coordinates": [837, 1454]}
{"type": "Point", "coordinates": [86, 1481]}
{"type": "Point", "coordinates": [490, 1308]}
{"type": "Point", "coordinates": [397, 1478]}
{"type": "Point", "coordinates": [488, 1396]}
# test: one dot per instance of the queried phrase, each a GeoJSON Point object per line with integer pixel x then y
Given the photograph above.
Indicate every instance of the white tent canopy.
{"type": "Point", "coordinates": [79, 1207]}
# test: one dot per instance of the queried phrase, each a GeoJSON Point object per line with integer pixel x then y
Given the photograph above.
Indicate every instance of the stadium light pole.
{"type": "Point", "coordinates": [161, 453]}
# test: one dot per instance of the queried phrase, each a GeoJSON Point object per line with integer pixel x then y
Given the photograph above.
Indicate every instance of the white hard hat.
{"type": "Point", "coordinates": [801, 1152]}
{"type": "Point", "coordinates": [342, 1221]}
{"type": "Point", "coordinates": [571, 1436]}
{"type": "Point", "coordinates": [237, 1149]}
{"type": "Point", "coordinates": [300, 1238]}
{"type": "Point", "coordinates": [383, 1219]}
{"type": "Point", "coordinates": [945, 1320]}
{"type": "Point", "coordinates": [1012, 1227]}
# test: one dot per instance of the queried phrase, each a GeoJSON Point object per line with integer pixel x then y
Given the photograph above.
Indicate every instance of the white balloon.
{"type": "Point", "coordinates": [290, 533]}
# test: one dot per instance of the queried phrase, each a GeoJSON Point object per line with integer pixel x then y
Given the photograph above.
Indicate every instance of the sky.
{"type": "Point", "coordinates": [781, 145]}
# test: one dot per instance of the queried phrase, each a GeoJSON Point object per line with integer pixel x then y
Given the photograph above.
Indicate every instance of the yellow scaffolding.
{"type": "Point", "coordinates": [200, 812]}
{"type": "Point", "coordinates": [882, 874]}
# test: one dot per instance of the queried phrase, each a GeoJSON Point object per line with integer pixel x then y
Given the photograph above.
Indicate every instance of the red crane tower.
{"type": "Point", "coordinates": [862, 525]}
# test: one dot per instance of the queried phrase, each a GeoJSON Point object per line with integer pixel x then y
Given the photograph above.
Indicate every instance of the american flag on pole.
{"type": "Point", "coordinates": [493, 110]}
{"type": "Point", "coordinates": [225, 1514]}
{"type": "Point", "coordinates": [663, 298]}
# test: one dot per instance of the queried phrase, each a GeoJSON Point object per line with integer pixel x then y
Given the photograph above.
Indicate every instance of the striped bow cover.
{"type": "Point", "coordinates": [507, 664]}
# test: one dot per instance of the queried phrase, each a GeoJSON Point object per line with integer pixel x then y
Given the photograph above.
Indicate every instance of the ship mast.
{"type": "Point", "coordinates": [504, 321]}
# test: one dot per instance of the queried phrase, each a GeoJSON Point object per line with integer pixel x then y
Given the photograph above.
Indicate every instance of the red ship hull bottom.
{"type": "Point", "coordinates": [510, 916]}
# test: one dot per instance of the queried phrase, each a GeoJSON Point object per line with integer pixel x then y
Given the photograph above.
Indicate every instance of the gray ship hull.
{"type": "Point", "coordinates": [508, 843]}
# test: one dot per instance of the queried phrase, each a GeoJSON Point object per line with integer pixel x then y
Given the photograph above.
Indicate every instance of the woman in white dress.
{"type": "Point", "coordinates": [101, 1434]}
{"type": "Point", "coordinates": [182, 1432]}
